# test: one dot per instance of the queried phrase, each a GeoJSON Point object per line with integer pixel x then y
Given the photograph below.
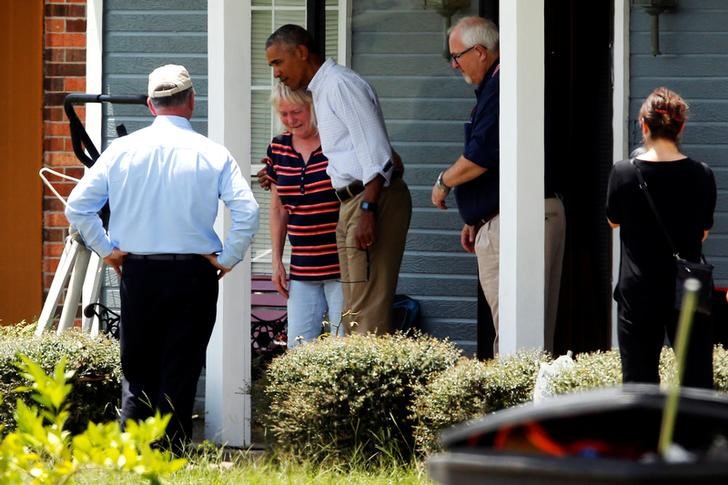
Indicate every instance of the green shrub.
{"type": "Point", "coordinates": [349, 399]}
{"type": "Point", "coordinates": [720, 368]}
{"type": "Point", "coordinates": [473, 388]}
{"type": "Point", "coordinates": [97, 372]}
{"type": "Point", "coordinates": [590, 371]}
{"type": "Point", "coordinates": [41, 450]}
{"type": "Point", "coordinates": [603, 369]}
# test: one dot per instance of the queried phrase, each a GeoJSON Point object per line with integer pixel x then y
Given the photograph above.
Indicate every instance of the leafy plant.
{"type": "Point", "coordinates": [470, 389]}
{"type": "Point", "coordinates": [96, 382]}
{"type": "Point", "coordinates": [41, 450]}
{"type": "Point", "coordinates": [720, 368]}
{"type": "Point", "coordinates": [590, 371]}
{"type": "Point", "coordinates": [603, 369]}
{"type": "Point", "coordinates": [349, 400]}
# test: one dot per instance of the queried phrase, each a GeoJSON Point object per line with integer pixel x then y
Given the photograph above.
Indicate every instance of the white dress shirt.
{"type": "Point", "coordinates": [351, 126]}
{"type": "Point", "coordinates": [163, 184]}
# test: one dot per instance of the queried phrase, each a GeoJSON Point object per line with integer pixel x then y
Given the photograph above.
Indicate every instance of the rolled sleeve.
{"type": "Point", "coordinates": [235, 193]}
{"type": "Point", "coordinates": [84, 204]}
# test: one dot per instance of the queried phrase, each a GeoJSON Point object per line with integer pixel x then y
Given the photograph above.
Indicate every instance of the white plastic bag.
{"type": "Point", "coordinates": [547, 373]}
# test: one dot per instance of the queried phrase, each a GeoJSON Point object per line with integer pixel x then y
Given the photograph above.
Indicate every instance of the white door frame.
{"type": "Point", "coordinates": [620, 121]}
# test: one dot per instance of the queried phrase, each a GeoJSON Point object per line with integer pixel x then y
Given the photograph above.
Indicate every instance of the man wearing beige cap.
{"type": "Point", "coordinates": [163, 184]}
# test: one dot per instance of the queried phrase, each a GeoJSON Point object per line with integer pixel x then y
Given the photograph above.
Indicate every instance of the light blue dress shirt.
{"type": "Point", "coordinates": [163, 184]}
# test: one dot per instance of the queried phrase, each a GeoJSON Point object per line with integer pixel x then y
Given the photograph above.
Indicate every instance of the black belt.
{"type": "Point", "coordinates": [357, 187]}
{"type": "Point", "coordinates": [352, 190]}
{"type": "Point", "coordinates": [162, 257]}
{"type": "Point", "coordinates": [481, 222]}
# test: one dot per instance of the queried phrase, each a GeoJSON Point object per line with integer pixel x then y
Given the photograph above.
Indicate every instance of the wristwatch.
{"type": "Point", "coordinates": [441, 185]}
{"type": "Point", "coordinates": [368, 206]}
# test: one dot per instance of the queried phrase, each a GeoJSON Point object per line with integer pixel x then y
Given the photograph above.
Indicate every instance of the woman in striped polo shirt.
{"type": "Point", "coordinates": [304, 206]}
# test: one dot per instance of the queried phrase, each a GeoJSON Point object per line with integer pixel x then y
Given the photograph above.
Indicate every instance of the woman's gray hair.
{"type": "Point", "coordinates": [477, 31]}
{"type": "Point", "coordinates": [301, 97]}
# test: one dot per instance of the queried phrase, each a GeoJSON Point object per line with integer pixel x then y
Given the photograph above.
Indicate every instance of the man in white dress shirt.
{"type": "Point", "coordinates": [375, 202]}
{"type": "Point", "coordinates": [163, 184]}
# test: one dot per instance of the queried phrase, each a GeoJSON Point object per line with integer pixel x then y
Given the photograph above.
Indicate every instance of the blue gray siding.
{"type": "Point", "coordinates": [140, 35]}
{"type": "Point", "coordinates": [399, 49]}
{"type": "Point", "coordinates": [694, 63]}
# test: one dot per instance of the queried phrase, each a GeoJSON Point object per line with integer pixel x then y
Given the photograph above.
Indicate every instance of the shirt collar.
{"type": "Point", "coordinates": [172, 120]}
{"type": "Point", "coordinates": [492, 71]}
{"type": "Point", "coordinates": [320, 75]}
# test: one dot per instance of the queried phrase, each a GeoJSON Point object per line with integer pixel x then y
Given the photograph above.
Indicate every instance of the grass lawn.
{"type": "Point", "coordinates": [256, 469]}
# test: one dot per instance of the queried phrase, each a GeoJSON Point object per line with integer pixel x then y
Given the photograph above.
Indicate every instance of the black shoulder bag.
{"type": "Point", "coordinates": [702, 272]}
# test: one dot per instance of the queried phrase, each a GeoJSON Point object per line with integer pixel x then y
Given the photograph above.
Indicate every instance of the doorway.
{"type": "Point", "coordinates": [578, 133]}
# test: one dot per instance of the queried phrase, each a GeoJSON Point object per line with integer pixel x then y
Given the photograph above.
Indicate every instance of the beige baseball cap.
{"type": "Point", "coordinates": [168, 80]}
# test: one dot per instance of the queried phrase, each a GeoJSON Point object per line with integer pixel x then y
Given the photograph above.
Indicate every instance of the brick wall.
{"type": "Point", "coordinates": [64, 59]}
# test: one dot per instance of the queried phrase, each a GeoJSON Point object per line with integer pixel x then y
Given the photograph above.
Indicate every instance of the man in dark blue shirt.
{"type": "Point", "coordinates": [474, 51]}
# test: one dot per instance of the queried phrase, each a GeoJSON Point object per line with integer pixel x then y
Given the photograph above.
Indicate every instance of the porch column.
{"type": "Point", "coordinates": [227, 394]}
{"type": "Point", "coordinates": [522, 175]}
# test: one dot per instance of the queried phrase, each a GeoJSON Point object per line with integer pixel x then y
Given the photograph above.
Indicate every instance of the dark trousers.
{"type": "Point", "coordinates": [642, 336]}
{"type": "Point", "coordinates": [167, 314]}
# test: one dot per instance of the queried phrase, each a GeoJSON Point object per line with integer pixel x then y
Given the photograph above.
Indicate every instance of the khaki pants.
{"type": "Point", "coordinates": [369, 278]}
{"type": "Point", "coordinates": [487, 251]}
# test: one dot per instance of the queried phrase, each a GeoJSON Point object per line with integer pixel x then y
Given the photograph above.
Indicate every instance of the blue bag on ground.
{"type": "Point", "coordinates": [406, 313]}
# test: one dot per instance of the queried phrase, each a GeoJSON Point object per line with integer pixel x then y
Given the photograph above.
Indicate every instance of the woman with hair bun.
{"type": "Point", "coordinates": [684, 193]}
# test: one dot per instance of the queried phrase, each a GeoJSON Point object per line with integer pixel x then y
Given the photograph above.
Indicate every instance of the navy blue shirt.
{"type": "Point", "coordinates": [478, 198]}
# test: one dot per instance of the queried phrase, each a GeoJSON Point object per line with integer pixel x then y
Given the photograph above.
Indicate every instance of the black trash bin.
{"type": "Point", "coordinates": [597, 437]}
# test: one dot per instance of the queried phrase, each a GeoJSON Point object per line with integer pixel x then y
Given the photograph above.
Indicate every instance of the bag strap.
{"type": "Point", "coordinates": [651, 202]}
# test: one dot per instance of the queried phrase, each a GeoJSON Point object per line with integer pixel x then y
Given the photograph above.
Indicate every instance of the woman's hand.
{"type": "Point", "coordinates": [280, 279]}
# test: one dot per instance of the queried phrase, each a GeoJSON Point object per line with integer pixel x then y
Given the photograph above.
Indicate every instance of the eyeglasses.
{"type": "Point", "coordinates": [454, 57]}
{"type": "Point", "coordinates": [366, 252]}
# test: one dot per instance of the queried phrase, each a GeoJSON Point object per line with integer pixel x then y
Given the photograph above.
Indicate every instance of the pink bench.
{"type": "Point", "coordinates": [268, 315]}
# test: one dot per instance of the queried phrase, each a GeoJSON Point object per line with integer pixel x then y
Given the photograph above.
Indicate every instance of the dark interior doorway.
{"type": "Point", "coordinates": [578, 137]}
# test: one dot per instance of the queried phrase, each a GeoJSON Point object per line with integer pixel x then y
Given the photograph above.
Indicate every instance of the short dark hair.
{"type": "Point", "coordinates": [293, 35]}
{"type": "Point", "coordinates": [177, 99]}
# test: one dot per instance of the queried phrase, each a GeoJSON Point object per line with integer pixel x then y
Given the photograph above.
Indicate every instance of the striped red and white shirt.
{"type": "Point", "coordinates": [313, 209]}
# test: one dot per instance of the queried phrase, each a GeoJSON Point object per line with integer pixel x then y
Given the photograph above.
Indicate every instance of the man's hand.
{"type": "Point", "coordinates": [221, 270]}
{"type": "Point", "coordinates": [438, 197]}
{"type": "Point", "coordinates": [264, 179]}
{"type": "Point", "coordinates": [279, 279]}
{"type": "Point", "coordinates": [365, 230]}
{"type": "Point", "coordinates": [467, 238]}
{"type": "Point", "coordinates": [115, 259]}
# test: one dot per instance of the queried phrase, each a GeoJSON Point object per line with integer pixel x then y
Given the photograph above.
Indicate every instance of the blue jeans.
{"type": "Point", "coordinates": [308, 301]}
